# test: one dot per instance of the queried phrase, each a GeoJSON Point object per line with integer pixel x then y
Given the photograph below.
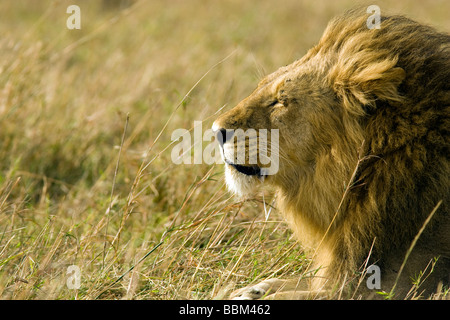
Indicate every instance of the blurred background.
{"type": "Point", "coordinates": [86, 117]}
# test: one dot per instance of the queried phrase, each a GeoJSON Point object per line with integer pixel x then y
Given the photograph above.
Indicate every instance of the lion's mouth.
{"type": "Point", "coordinates": [247, 170]}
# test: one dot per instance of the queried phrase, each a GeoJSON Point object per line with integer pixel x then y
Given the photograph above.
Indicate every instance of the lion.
{"type": "Point", "coordinates": [363, 176]}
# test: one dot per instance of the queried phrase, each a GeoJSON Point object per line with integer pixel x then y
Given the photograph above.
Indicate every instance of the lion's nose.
{"type": "Point", "coordinates": [222, 135]}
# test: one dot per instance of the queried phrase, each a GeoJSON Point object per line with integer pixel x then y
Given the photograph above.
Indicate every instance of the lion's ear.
{"type": "Point", "coordinates": [358, 81]}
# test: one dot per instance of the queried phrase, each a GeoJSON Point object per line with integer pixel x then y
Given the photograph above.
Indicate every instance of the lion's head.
{"type": "Point", "coordinates": [286, 102]}
{"type": "Point", "coordinates": [319, 105]}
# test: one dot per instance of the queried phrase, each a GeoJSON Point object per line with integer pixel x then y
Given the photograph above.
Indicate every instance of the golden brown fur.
{"type": "Point", "coordinates": [374, 100]}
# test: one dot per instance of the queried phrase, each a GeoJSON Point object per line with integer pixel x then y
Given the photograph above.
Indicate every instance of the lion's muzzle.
{"type": "Point", "coordinates": [225, 138]}
{"type": "Point", "coordinates": [245, 150]}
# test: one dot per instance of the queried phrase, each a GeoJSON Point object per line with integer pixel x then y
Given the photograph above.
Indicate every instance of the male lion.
{"type": "Point", "coordinates": [364, 146]}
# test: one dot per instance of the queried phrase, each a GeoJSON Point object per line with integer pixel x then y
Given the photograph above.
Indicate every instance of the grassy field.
{"type": "Point", "coordinates": [86, 116]}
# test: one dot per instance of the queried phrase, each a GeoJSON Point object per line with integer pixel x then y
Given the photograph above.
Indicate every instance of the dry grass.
{"type": "Point", "coordinates": [81, 184]}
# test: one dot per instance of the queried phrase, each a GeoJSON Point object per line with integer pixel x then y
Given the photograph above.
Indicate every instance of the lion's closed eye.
{"type": "Point", "coordinates": [273, 103]}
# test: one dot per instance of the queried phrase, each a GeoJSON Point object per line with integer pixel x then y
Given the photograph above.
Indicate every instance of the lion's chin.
{"type": "Point", "coordinates": [239, 182]}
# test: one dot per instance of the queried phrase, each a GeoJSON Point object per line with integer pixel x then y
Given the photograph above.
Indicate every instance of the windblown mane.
{"type": "Point", "coordinates": [393, 88]}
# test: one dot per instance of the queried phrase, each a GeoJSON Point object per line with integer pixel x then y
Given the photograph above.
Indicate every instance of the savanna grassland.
{"type": "Point", "coordinates": [86, 116]}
